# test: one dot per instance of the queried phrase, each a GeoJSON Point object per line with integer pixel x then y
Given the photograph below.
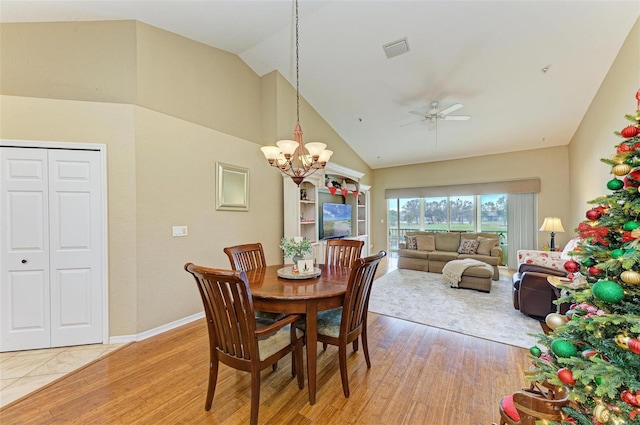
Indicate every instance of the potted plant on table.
{"type": "Point", "coordinates": [296, 248]}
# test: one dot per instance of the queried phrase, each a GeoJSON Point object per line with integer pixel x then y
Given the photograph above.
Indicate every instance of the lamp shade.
{"type": "Point", "coordinates": [552, 224]}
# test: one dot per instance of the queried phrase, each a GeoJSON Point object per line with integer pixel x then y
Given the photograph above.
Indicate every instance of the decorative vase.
{"type": "Point", "coordinates": [296, 258]}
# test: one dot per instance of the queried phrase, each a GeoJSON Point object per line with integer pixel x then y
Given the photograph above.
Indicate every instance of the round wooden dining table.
{"type": "Point", "coordinates": [303, 296]}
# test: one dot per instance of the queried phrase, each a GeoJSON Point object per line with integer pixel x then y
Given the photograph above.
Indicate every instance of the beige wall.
{"type": "Point", "coordinates": [549, 164]}
{"type": "Point", "coordinates": [167, 108]}
{"type": "Point", "coordinates": [595, 139]}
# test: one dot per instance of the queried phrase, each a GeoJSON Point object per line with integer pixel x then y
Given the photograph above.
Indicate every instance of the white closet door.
{"type": "Point", "coordinates": [24, 250]}
{"type": "Point", "coordinates": [50, 248]}
{"type": "Point", "coordinates": [75, 247]}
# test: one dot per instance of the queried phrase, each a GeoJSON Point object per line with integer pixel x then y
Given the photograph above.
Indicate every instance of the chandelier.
{"type": "Point", "coordinates": [293, 158]}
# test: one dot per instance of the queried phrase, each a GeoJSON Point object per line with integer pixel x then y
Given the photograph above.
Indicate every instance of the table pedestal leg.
{"type": "Point", "coordinates": [312, 350]}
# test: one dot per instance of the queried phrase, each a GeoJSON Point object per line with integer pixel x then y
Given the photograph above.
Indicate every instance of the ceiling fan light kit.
{"type": "Point", "coordinates": [433, 114]}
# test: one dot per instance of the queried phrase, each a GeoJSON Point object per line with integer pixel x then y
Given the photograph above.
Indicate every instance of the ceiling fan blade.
{"type": "Point", "coordinates": [422, 114]}
{"type": "Point", "coordinates": [451, 109]}
{"type": "Point", "coordinates": [457, 117]}
{"type": "Point", "coordinates": [411, 122]}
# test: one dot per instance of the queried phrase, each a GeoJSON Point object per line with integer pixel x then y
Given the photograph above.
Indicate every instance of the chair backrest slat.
{"type": "Point", "coordinates": [343, 252]}
{"type": "Point", "coordinates": [356, 301]}
{"type": "Point", "coordinates": [246, 257]}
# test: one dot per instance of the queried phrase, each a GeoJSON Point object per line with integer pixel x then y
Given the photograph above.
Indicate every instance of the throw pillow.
{"type": "Point", "coordinates": [485, 245]}
{"type": "Point", "coordinates": [411, 242]}
{"type": "Point", "coordinates": [468, 246]}
{"type": "Point", "coordinates": [426, 242]}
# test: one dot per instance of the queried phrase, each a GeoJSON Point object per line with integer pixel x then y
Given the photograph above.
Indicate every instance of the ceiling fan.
{"type": "Point", "coordinates": [433, 115]}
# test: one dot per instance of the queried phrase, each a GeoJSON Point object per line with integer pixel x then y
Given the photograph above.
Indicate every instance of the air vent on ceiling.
{"type": "Point", "coordinates": [396, 48]}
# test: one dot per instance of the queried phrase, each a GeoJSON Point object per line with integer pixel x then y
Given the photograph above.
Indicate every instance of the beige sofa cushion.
{"type": "Point", "coordinates": [413, 253]}
{"type": "Point", "coordinates": [426, 242]}
{"type": "Point", "coordinates": [442, 256]}
{"type": "Point", "coordinates": [485, 245]}
{"type": "Point", "coordinates": [447, 242]}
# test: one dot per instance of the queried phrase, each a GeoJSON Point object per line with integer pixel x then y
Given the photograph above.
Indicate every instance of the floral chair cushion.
{"type": "Point", "coordinates": [328, 322]}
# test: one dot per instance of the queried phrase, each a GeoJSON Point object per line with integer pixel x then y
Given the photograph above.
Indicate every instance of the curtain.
{"type": "Point", "coordinates": [522, 218]}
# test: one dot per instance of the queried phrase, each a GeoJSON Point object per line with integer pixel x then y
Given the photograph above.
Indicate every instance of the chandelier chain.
{"type": "Point", "coordinates": [297, 69]}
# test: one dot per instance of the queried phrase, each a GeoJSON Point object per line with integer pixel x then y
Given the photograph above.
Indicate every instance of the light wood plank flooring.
{"type": "Point", "coordinates": [419, 375]}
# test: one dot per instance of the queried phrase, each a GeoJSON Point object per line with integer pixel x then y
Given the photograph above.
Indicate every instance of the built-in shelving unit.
{"type": "Point", "coordinates": [303, 205]}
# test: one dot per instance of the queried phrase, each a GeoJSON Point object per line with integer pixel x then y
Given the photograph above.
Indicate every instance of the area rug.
{"type": "Point", "coordinates": [424, 298]}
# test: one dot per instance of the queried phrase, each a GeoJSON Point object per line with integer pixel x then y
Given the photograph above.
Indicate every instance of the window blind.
{"type": "Point", "coordinates": [509, 187]}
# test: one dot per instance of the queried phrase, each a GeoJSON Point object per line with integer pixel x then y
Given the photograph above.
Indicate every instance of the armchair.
{"type": "Point", "coordinates": [533, 295]}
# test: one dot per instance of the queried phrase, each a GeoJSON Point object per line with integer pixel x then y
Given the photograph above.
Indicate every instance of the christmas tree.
{"type": "Point", "coordinates": [594, 350]}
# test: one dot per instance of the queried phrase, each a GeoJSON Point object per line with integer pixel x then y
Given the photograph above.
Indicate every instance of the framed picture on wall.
{"type": "Point", "coordinates": [232, 187]}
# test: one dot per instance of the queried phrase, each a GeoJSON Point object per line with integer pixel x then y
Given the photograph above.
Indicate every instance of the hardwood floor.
{"type": "Point", "coordinates": [419, 375]}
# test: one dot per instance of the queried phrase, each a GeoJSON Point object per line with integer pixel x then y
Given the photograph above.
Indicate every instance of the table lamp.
{"type": "Point", "coordinates": [553, 225]}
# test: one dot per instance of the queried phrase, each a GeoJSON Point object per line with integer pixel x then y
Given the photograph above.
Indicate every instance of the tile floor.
{"type": "Point", "coordinates": [22, 372]}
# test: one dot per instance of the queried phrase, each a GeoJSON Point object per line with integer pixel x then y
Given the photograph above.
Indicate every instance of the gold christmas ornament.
{"type": "Point", "coordinates": [601, 413]}
{"type": "Point", "coordinates": [621, 169]}
{"type": "Point", "coordinates": [630, 276]}
{"type": "Point", "coordinates": [555, 320]}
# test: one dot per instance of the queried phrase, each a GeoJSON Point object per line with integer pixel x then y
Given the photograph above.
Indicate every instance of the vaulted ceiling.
{"type": "Point", "coordinates": [525, 71]}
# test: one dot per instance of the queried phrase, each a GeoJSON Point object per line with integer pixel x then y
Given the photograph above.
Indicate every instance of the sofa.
{"type": "Point", "coordinates": [430, 251]}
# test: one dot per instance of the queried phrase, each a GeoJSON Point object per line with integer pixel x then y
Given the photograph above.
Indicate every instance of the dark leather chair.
{"type": "Point", "coordinates": [533, 295]}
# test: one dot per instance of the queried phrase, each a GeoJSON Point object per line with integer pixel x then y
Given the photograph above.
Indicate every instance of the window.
{"type": "Point", "coordinates": [468, 213]}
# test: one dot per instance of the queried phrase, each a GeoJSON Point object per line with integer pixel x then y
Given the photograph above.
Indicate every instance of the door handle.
{"type": "Point", "coordinates": [24, 261]}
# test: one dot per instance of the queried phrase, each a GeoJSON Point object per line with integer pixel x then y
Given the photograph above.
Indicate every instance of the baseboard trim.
{"type": "Point", "coordinates": [119, 339]}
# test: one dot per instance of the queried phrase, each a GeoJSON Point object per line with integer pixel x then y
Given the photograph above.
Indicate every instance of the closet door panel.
{"type": "Point", "coordinates": [24, 256]}
{"type": "Point", "coordinates": [76, 248]}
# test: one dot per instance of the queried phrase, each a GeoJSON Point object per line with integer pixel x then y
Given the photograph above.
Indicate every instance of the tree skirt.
{"type": "Point", "coordinates": [423, 297]}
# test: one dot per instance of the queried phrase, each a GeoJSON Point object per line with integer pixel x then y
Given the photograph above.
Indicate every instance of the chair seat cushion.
{"type": "Point", "coordinates": [276, 342]}
{"type": "Point", "coordinates": [328, 322]}
{"type": "Point", "coordinates": [509, 408]}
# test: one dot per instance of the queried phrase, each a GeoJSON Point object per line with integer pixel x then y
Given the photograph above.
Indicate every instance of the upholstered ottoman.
{"type": "Point", "coordinates": [477, 276]}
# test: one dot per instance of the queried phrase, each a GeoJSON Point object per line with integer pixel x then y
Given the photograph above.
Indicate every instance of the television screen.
{"type": "Point", "coordinates": [336, 220]}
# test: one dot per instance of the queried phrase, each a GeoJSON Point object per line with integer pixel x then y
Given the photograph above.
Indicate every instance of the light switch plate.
{"type": "Point", "coordinates": [180, 231]}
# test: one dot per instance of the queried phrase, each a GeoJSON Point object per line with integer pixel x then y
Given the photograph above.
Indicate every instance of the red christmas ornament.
{"type": "Point", "coordinates": [630, 398]}
{"type": "Point", "coordinates": [593, 214]}
{"type": "Point", "coordinates": [623, 147]}
{"type": "Point", "coordinates": [632, 179]}
{"type": "Point", "coordinates": [566, 377]}
{"type": "Point", "coordinates": [571, 266]}
{"type": "Point", "coordinates": [627, 237]}
{"type": "Point", "coordinates": [594, 271]}
{"type": "Point", "coordinates": [634, 345]}
{"type": "Point", "coordinates": [629, 131]}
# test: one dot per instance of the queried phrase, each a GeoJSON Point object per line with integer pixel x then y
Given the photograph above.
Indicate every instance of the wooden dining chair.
{"type": "Point", "coordinates": [246, 257]}
{"type": "Point", "coordinates": [342, 252]}
{"type": "Point", "coordinates": [236, 338]}
{"type": "Point", "coordinates": [342, 326]}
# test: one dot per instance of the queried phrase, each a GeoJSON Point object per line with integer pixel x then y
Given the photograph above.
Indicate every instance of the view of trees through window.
{"type": "Point", "coordinates": [475, 213]}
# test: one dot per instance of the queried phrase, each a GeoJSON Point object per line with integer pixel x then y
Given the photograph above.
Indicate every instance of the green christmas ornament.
{"type": "Point", "coordinates": [617, 253]}
{"type": "Point", "coordinates": [631, 225]}
{"type": "Point", "coordinates": [598, 380]}
{"type": "Point", "coordinates": [563, 348]}
{"type": "Point", "coordinates": [588, 262]}
{"type": "Point", "coordinates": [535, 351]}
{"type": "Point", "coordinates": [614, 184]}
{"type": "Point", "coordinates": [608, 291]}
